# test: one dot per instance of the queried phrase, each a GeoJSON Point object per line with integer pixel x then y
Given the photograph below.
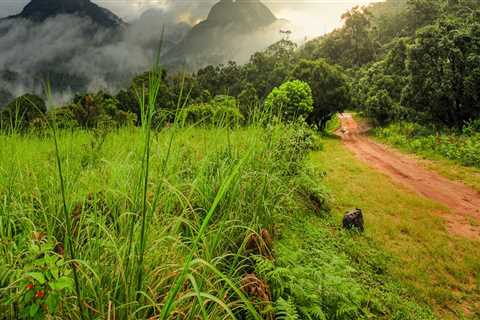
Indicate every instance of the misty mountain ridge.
{"type": "Point", "coordinates": [41, 10]}
{"type": "Point", "coordinates": [60, 43]}
{"type": "Point", "coordinates": [233, 30]}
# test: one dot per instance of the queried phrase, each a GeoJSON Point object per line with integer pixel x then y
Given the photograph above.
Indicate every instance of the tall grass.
{"type": "Point", "coordinates": [158, 219]}
{"type": "Point", "coordinates": [68, 222]}
{"type": "Point", "coordinates": [158, 224]}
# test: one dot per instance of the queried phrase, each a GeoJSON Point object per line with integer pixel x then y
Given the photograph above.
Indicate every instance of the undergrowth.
{"type": "Point", "coordinates": [322, 272]}
{"type": "Point", "coordinates": [461, 146]}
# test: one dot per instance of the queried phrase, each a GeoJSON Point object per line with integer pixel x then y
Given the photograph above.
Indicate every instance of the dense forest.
{"type": "Point", "coordinates": [379, 62]}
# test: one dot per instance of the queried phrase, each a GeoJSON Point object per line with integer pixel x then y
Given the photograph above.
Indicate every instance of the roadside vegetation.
{"type": "Point", "coordinates": [459, 145]}
{"type": "Point", "coordinates": [432, 265]}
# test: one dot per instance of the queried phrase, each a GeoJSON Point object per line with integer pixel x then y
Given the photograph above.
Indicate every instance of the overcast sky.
{"type": "Point", "coordinates": [315, 16]}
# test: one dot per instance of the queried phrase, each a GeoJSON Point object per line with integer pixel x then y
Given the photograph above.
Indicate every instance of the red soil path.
{"type": "Point", "coordinates": [463, 201]}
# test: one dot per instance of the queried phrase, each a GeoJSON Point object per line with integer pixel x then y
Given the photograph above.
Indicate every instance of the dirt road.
{"type": "Point", "coordinates": [463, 202]}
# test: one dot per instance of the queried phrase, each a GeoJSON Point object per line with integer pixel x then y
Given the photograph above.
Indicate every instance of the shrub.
{"type": "Point", "coordinates": [19, 113]}
{"type": "Point", "coordinates": [299, 141]}
{"type": "Point", "coordinates": [291, 100]}
{"type": "Point", "coordinates": [220, 111]}
{"type": "Point", "coordinates": [91, 111]}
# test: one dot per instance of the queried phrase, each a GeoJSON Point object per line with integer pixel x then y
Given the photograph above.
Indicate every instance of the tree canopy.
{"type": "Point", "coordinates": [329, 88]}
{"type": "Point", "coordinates": [291, 100]}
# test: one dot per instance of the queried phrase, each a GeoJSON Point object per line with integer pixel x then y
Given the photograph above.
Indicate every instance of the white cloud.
{"type": "Point", "coordinates": [315, 16]}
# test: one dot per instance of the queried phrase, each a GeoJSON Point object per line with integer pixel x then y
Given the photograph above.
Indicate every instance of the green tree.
{"type": "Point", "coordinates": [225, 79]}
{"type": "Point", "coordinates": [352, 45]}
{"type": "Point", "coordinates": [422, 12]}
{"type": "Point", "coordinates": [329, 88]}
{"type": "Point", "coordinates": [128, 100]}
{"type": "Point", "coordinates": [270, 68]}
{"type": "Point", "coordinates": [291, 100]}
{"type": "Point", "coordinates": [91, 111]}
{"type": "Point", "coordinates": [444, 72]}
{"type": "Point", "coordinates": [381, 83]}
{"type": "Point", "coordinates": [382, 108]}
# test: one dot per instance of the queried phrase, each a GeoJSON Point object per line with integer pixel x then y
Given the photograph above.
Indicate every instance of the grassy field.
{"type": "Point", "coordinates": [217, 223]}
{"type": "Point", "coordinates": [181, 232]}
{"type": "Point", "coordinates": [337, 274]}
{"type": "Point", "coordinates": [435, 267]}
{"type": "Point", "coordinates": [152, 226]}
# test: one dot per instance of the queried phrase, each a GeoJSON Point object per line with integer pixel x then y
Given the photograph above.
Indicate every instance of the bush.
{"type": "Point", "coordinates": [299, 141]}
{"type": "Point", "coordinates": [220, 111]}
{"type": "Point", "coordinates": [461, 146]}
{"type": "Point", "coordinates": [21, 112]}
{"type": "Point", "coordinates": [91, 111]}
{"type": "Point", "coordinates": [291, 100]}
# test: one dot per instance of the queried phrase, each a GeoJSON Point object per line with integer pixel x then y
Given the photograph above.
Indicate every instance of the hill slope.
{"type": "Point", "coordinates": [232, 31]}
{"type": "Point", "coordinates": [41, 10]}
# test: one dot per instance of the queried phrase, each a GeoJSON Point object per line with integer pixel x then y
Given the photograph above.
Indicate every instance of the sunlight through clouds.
{"type": "Point", "coordinates": [313, 17]}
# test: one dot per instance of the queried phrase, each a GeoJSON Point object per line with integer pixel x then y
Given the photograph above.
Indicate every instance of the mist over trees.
{"type": "Point", "coordinates": [413, 60]}
{"type": "Point", "coordinates": [78, 46]}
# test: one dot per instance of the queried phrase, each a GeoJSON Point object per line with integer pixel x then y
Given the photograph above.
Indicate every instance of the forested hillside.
{"type": "Point", "coordinates": [378, 62]}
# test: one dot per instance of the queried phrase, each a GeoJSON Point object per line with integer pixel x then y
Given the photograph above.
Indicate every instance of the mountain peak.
{"type": "Point", "coordinates": [40, 10]}
{"type": "Point", "coordinates": [249, 12]}
{"type": "Point", "coordinates": [233, 30]}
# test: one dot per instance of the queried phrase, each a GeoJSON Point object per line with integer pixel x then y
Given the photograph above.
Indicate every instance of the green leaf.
{"type": "Point", "coordinates": [62, 283]}
{"type": "Point", "coordinates": [54, 271]}
{"type": "Point", "coordinates": [38, 276]}
{"type": "Point", "coordinates": [33, 309]}
{"type": "Point", "coordinates": [52, 303]}
{"type": "Point", "coordinates": [35, 249]}
{"type": "Point", "coordinates": [28, 296]}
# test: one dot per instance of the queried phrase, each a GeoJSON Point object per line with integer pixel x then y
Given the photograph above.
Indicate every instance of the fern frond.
{"type": "Point", "coordinates": [286, 310]}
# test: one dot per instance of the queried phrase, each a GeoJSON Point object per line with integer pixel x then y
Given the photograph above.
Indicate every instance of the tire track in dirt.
{"type": "Point", "coordinates": [463, 201]}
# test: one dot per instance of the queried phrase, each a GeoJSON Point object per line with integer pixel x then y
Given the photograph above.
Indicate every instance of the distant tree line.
{"type": "Point", "coordinates": [416, 60]}
{"type": "Point", "coordinates": [230, 92]}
